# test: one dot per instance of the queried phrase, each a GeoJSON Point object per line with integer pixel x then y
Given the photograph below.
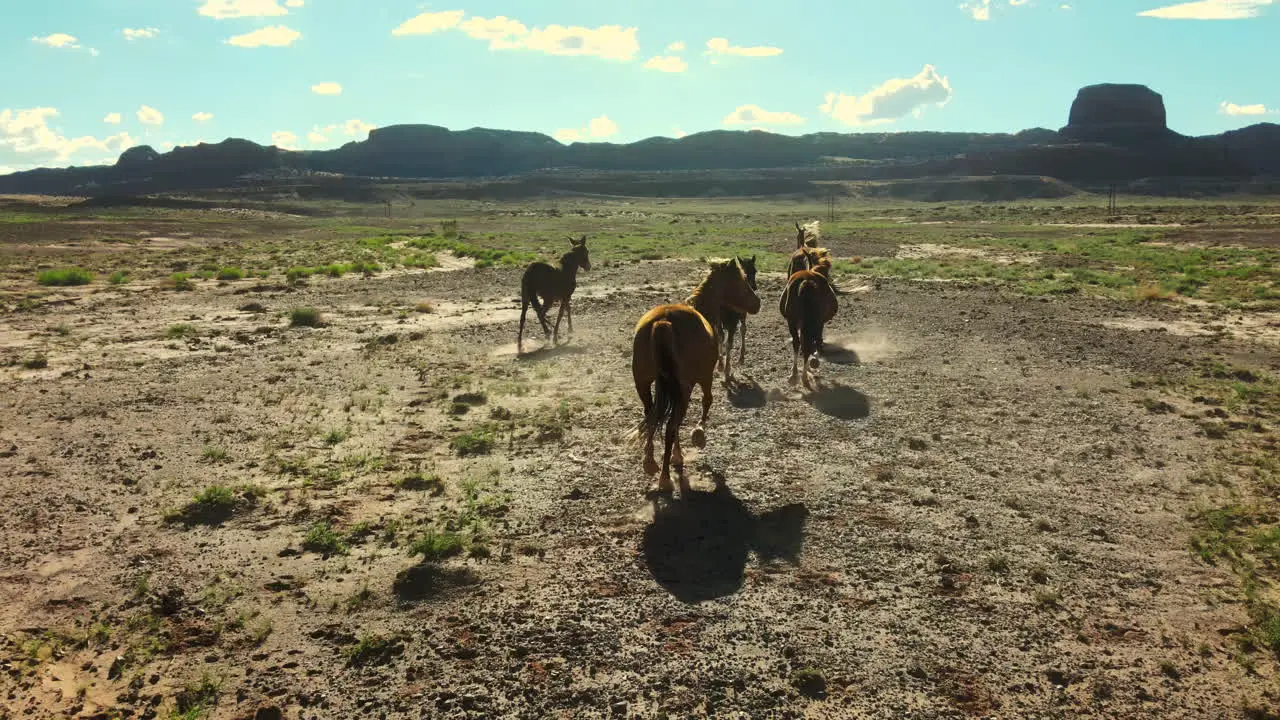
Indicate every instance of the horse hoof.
{"type": "Point", "coordinates": [651, 466]}
{"type": "Point", "coordinates": [699, 438]}
{"type": "Point", "coordinates": [665, 485]}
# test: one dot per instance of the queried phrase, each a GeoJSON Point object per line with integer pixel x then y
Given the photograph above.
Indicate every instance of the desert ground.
{"type": "Point", "coordinates": [280, 459]}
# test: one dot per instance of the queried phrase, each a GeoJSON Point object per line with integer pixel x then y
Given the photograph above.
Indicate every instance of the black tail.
{"type": "Point", "coordinates": [667, 386]}
{"type": "Point", "coordinates": [529, 294]}
{"type": "Point", "coordinates": [810, 318]}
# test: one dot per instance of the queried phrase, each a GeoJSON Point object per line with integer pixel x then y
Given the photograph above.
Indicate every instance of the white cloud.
{"type": "Point", "coordinates": [427, 23]}
{"type": "Point", "coordinates": [756, 115]}
{"type": "Point", "coordinates": [667, 63]}
{"type": "Point", "coordinates": [611, 42]}
{"type": "Point", "coordinates": [1209, 10]}
{"type": "Point", "coordinates": [140, 33]}
{"type": "Point", "coordinates": [112, 119]}
{"type": "Point", "coordinates": [721, 46]}
{"type": "Point", "coordinates": [351, 128]}
{"type": "Point", "coordinates": [601, 127]}
{"type": "Point", "coordinates": [327, 88]}
{"type": "Point", "coordinates": [284, 140]}
{"type": "Point", "coordinates": [273, 36]}
{"type": "Point", "coordinates": [224, 9]}
{"type": "Point", "coordinates": [895, 99]}
{"type": "Point", "coordinates": [148, 115]}
{"type": "Point", "coordinates": [980, 10]}
{"type": "Point", "coordinates": [1233, 109]}
{"type": "Point", "coordinates": [26, 133]}
{"type": "Point", "coordinates": [57, 40]}
{"type": "Point", "coordinates": [502, 32]}
{"type": "Point", "coordinates": [677, 133]}
{"type": "Point", "coordinates": [202, 117]}
{"type": "Point", "coordinates": [295, 3]}
{"type": "Point", "coordinates": [675, 47]}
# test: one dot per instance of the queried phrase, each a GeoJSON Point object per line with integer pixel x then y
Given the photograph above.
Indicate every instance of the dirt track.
{"type": "Point", "coordinates": [978, 516]}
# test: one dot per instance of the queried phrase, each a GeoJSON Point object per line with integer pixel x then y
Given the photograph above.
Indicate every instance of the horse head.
{"type": "Point", "coordinates": [736, 291]}
{"type": "Point", "coordinates": [579, 252]}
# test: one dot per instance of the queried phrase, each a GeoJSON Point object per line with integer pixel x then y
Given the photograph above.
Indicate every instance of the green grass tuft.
{"type": "Point", "coordinates": [304, 317]}
{"type": "Point", "coordinates": [65, 277]}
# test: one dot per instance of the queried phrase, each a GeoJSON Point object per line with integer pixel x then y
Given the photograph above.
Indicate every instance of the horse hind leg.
{"type": "Point", "coordinates": [646, 399]}
{"type": "Point", "coordinates": [556, 335]}
{"type": "Point", "coordinates": [672, 456]}
{"type": "Point", "coordinates": [699, 437]}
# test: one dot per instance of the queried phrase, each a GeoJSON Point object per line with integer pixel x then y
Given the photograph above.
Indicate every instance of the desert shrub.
{"type": "Point", "coordinates": [304, 317]}
{"type": "Point", "coordinates": [65, 276]}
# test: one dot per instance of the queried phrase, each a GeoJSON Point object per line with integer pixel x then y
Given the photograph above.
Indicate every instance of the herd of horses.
{"type": "Point", "coordinates": [677, 346]}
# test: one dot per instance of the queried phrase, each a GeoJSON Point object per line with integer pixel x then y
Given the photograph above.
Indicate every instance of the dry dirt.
{"type": "Point", "coordinates": [977, 517]}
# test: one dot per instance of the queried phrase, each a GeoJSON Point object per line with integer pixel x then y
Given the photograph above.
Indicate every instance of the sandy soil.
{"type": "Point", "coordinates": [977, 517]}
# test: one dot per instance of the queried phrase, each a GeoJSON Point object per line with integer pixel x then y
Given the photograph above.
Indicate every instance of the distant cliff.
{"type": "Point", "coordinates": [1115, 133]}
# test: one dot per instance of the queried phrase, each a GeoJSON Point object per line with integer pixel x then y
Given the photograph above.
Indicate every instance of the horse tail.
{"type": "Point", "coordinates": [667, 384]}
{"type": "Point", "coordinates": [810, 318]}
{"type": "Point", "coordinates": [529, 292]}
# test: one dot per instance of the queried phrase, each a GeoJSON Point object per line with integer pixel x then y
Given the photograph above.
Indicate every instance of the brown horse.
{"type": "Point", "coordinates": [675, 347]}
{"type": "Point", "coordinates": [730, 319]}
{"type": "Point", "coordinates": [808, 303]}
{"type": "Point", "coordinates": [541, 280]}
{"type": "Point", "coordinates": [806, 240]}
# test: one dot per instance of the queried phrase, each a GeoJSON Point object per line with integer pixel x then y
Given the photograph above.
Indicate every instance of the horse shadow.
{"type": "Point", "coordinates": [839, 355]}
{"type": "Point", "coordinates": [697, 547]}
{"type": "Point", "coordinates": [746, 395]}
{"type": "Point", "coordinates": [551, 351]}
{"type": "Point", "coordinates": [839, 401]}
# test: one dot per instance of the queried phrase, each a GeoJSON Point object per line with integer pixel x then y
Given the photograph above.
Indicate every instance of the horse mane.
{"type": "Point", "coordinates": [820, 261]}
{"type": "Point", "coordinates": [809, 234]}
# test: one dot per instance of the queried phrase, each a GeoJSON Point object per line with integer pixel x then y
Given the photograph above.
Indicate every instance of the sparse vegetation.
{"type": "Point", "coordinates": [181, 330]}
{"type": "Point", "coordinates": [323, 539]}
{"type": "Point", "coordinates": [180, 281]}
{"type": "Point", "coordinates": [119, 277]}
{"type": "Point", "coordinates": [65, 277]}
{"type": "Point", "coordinates": [304, 317]}
{"type": "Point", "coordinates": [230, 273]}
{"type": "Point", "coordinates": [435, 546]}
{"type": "Point", "coordinates": [372, 649]}
{"type": "Point", "coordinates": [216, 504]}
{"type": "Point", "coordinates": [475, 442]}
{"type": "Point", "coordinates": [419, 481]}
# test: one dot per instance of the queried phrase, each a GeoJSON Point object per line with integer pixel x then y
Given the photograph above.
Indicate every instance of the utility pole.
{"type": "Point", "coordinates": [831, 206]}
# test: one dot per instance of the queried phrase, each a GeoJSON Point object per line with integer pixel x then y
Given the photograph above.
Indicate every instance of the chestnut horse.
{"type": "Point", "coordinates": [808, 303]}
{"type": "Point", "coordinates": [676, 346]}
{"type": "Point", "coordinates": [541, 280]}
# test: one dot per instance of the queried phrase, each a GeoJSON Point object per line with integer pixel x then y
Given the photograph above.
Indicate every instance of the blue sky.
{"type": "Point", "coordinates": [88, 78]}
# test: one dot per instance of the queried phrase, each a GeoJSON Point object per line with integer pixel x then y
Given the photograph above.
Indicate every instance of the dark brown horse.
{"type": "Point", "coordinates": [551, 284]}
{"type": "Point", "coordinates": [731, 319]}
{"type": "Point", "coordinates": [808, 303]}
{"type": "Point", "coordinates": [676, 346]}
